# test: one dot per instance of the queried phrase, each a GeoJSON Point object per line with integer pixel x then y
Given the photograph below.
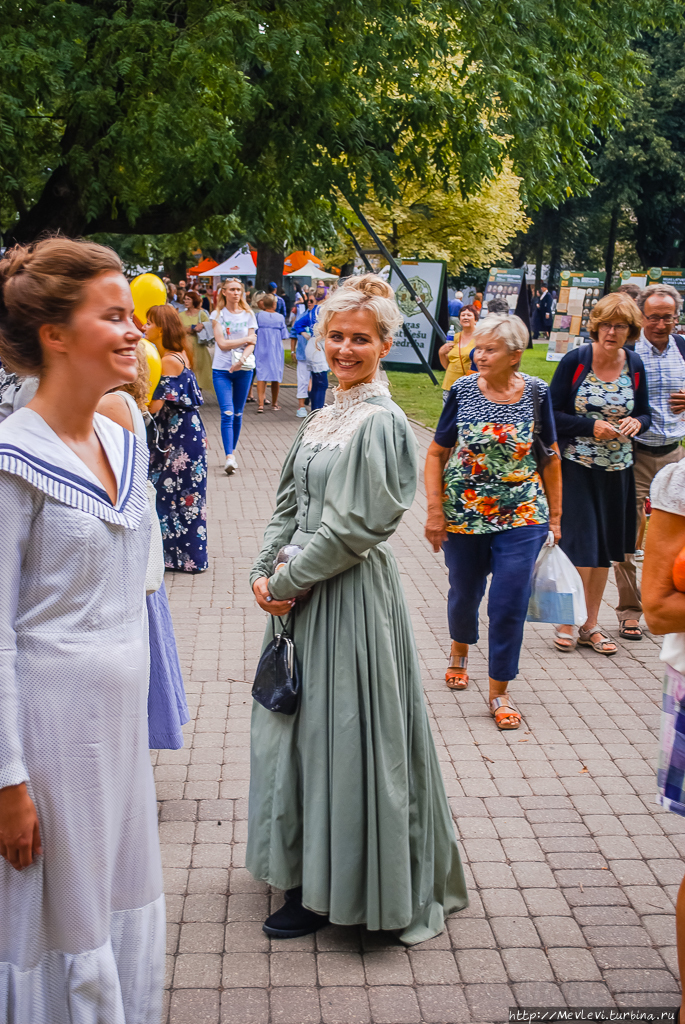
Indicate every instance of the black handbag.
{"type": "Point", "coordinates": [539, 449]}
{"type": "Point", "coordinates": [277, 679]}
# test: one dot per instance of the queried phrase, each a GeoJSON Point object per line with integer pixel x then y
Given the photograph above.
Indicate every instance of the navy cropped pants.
{"type": "Point", "coordinates": [510, 557]}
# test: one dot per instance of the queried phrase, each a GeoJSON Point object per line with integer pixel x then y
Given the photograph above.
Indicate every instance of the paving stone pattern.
{"type": "Point", "coordinates": [572, 868]}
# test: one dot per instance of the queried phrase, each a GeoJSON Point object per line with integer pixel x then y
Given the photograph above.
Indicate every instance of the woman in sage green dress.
{"type": "Point", "coordinates": [348, 811]}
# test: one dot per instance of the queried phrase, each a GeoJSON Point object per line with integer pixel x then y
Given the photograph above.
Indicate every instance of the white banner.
{"type": "Point", "coordinates": [427, 281]}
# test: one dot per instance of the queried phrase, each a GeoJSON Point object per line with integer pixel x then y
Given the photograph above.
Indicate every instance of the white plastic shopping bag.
{"type": "Point", "coordinates": [557, 595]}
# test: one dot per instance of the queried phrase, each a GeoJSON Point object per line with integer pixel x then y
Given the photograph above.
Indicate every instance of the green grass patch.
{"type": "Point", "coordinates": [422, 401]}
{"type": "Point", "coordinates": [535, 364]}
{"type": "Point", "coordinates": [417, 395]}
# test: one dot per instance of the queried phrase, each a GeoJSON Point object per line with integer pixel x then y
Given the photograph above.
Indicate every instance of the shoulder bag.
{"type": "Point", "coordinates": [205, 336]}
{"type": "Point", "coordinates": [540, 450]}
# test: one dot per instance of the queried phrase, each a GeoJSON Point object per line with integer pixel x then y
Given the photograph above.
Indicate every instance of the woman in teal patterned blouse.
{"type": "Point", "coordinates": [600, 400]}
{"type": "Point", "coordinates": [489, 508]}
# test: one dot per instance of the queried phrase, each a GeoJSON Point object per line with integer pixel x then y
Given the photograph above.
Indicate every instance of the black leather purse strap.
{"type": "Point", "coordinates": [284, 625]}
{"type": "Point", "coordinates": [542, 453]}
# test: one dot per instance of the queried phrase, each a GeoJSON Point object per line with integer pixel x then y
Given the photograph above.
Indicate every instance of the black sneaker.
{"type": "Point", "coordinates": [293, 920]}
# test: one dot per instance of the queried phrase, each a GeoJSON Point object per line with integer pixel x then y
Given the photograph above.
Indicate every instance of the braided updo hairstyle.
{"type": "Point", "coordinates": [43, 284]}
{"type": "Point", "coordinates": [366, 292]}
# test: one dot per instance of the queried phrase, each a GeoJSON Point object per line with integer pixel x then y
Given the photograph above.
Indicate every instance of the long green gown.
{"type": "Point", "coordinates": [346, 796]}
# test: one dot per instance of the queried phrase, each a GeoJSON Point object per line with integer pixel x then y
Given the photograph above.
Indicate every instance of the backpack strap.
{"type": "Point", "coordinates": [579, 371]}
{"type": "Point", "coordinates": [680, 343]}
{"type": "Point", "coordinates": [633, 374]}
{"type": "Point", "coordinates": [537, 418]}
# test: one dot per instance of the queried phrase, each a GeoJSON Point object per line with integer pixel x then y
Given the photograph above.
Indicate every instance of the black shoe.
{"type": "Point", "coordinates": [293, 920]}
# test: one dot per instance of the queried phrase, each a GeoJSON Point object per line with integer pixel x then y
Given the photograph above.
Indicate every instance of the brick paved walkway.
{"type": "Point", "coordinates": [571, 867]}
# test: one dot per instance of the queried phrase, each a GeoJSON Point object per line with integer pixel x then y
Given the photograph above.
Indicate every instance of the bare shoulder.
{"type": "Point", "coordinates": [173, 365]}
{"type": "Point", "coordinates": [115, 408]}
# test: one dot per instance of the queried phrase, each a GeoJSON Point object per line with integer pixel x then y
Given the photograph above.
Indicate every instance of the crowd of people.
{"type": "Point", "coordinates": [103, 487]}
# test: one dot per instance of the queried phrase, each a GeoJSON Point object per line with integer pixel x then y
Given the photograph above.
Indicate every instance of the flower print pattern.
{"type": "Point", "coordinates": [603, 400]}
{"type": "Point", "coordinates": [491, 480]}
{"type": "Point", "coordinates": [179, 473]}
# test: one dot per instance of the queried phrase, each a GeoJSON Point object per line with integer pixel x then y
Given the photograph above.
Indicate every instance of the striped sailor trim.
{"type": "Point", "coordinates": [70, 489]}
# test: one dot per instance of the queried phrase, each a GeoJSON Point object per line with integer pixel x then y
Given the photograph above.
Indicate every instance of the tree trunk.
{"type": "Point", "coordinates": [347, 269]}
{"type": "Point", "coordinates": [555, 250]}
{"type": "Point", "coordinates": [58, 210]}
{"type": "Point", "coordinates": [540, 250]}
{"type": "Point", "coordinates": [611, 248]}
{"type": "Point", "coordinates": [176, 269]}
{"type": "Point", "coordinates": [269, 265]}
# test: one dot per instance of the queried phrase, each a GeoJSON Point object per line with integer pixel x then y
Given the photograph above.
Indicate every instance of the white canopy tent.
{"type": "Point", "coordinates": [240, 264]}
{"type": "Point", "coordinates": [312, 270]}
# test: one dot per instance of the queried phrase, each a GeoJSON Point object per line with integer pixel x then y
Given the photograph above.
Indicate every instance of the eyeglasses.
{"type": "Point", "coordinates": [654, 320]}
{"type": "Point", "coordinates": [614, 327]}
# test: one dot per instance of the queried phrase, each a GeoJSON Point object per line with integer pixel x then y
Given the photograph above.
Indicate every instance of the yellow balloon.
{"type": "Point", "coordinates": [154, 365]}
{"type": "Point", "coordinates": [147, 290]}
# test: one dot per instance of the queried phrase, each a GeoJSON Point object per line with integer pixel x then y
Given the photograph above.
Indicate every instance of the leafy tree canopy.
{"type": "Point", "coordinates": [151, 116]}
{"type": "Point", "coordinates": [429, 221]}
{"type": "Point", "coordinates": [636, 210]}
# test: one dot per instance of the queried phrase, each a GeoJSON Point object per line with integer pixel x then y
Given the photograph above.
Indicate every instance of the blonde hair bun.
{"type": "Point", "coordinates": [371, 284]}
{"type": "Point", "coordinates": [367, 292]}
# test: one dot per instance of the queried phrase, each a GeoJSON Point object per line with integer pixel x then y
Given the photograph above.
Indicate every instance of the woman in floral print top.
{"type": "Point", "coordinates": [179, 460]}
{"type": "Point", "coordinates": [489, 508]}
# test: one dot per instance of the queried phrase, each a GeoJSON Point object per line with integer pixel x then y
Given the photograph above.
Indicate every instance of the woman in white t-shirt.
{"type": "Point", "coordinates": [235, 335]}
{"type": "Point", "coordinates": [664, 609]}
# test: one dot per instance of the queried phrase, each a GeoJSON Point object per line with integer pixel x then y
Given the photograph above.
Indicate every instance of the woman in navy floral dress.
{"type": "Point", "coordinates": [179, 461]}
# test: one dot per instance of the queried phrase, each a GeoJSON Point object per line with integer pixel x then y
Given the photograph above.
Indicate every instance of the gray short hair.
{"type": "Point", "coordinates": [660, 289]}
{"type": "Point", "coordinates": [509, 329]}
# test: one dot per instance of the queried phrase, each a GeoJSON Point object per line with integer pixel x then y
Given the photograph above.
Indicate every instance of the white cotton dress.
{"type": "Point", "coordinates": [82, 931]}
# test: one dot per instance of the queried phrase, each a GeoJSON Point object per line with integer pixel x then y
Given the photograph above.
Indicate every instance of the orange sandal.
{"type": "Point", "coordinates": [456, 676]}
{"type": "Point", "coordinates": [500, 708]}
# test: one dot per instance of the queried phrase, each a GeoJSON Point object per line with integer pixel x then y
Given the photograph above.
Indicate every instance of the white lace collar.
{"type": "Point", "coordinates": [336, 424]}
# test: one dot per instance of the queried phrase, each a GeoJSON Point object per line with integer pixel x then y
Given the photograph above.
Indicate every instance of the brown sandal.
{"type": "Point", "coordinates": [500, 708]}
{"type": "Point", "coordinates": [601, 646]}
{"type": "Point", "coordinates": [456, 676]}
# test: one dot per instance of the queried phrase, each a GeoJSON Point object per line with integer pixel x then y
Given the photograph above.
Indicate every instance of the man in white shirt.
{"type": "Point", "coordinates": [663, 355]}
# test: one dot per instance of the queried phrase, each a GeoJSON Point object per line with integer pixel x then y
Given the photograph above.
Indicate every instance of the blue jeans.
{"type": "Point", "coordinates": [510, 557]}
{"type": "Point", "coordinates": [231, 390]}
{"type": "Point", "coordinates": [317, 396]}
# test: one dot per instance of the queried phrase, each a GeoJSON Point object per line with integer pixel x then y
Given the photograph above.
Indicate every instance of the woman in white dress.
{"type": "Point", "coordinates": [82, 918]}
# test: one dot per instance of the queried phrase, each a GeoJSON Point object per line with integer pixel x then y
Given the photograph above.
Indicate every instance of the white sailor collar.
{"type": "Point", "coordinates": [29, 448]}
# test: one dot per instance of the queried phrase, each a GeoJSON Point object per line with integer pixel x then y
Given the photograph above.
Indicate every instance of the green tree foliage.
{"type": "Point", "coordinates": [644, 166]}
{"type": "Point", "coordinates": [636, 210]}
{"type": "Point", "coordinates": [429, 221]}
{"type": "Point", "coordinates": [151, 116]}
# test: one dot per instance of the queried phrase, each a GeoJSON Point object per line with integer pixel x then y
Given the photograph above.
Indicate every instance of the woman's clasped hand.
{"type": "Point", "coordinates": [260, 589]}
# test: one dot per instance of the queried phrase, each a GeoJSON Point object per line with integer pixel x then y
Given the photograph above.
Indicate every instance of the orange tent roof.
{"type": "Point", "coordinates": [297, 260]}
{"type": "Point", "coordinates": [203, 265]}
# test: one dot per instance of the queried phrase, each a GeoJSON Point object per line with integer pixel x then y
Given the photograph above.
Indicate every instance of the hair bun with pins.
{"type": "Point", "coordinates": [368, 292]}
{"type": "Point", "coordinates": [371, 284]}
